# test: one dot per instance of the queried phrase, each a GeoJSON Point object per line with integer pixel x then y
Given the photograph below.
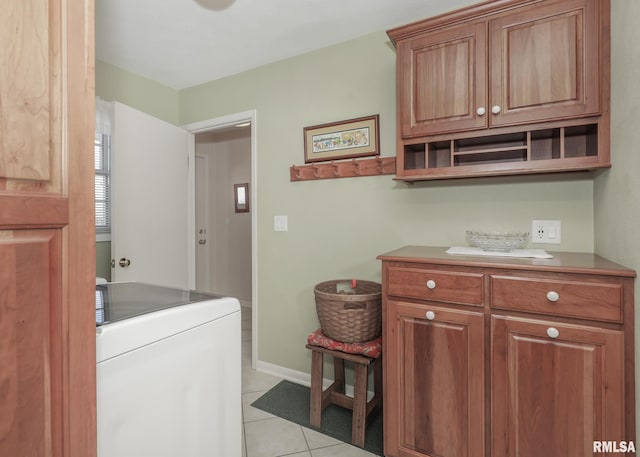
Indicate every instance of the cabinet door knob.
{"type": "Point", "coordinates": [552, 295]}
{"type": "Point", "coordinates": [431, 284]}
{"type": "Point", "coordinates": [431, 315]}
{"type": "Point", "coordinates": [481, 111]}
{"type": "Point", "coordinates": [496, 109]}
{"type": "Point", "coordinates": [553, 332]}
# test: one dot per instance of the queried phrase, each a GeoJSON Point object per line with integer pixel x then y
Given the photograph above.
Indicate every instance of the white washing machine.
{"type": "Point", "coordinates": [168, 372]}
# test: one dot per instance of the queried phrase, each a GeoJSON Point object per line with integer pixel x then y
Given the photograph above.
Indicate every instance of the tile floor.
{"type": "Point", "coordinates": [266, 435]}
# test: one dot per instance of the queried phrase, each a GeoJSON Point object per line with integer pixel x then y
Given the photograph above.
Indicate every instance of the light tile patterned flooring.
{"type": "Point", "coordinates": [265, 435]}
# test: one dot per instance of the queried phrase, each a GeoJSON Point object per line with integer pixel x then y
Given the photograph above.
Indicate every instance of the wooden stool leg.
{"type": "Point", "coordinates": [315, 416]}
{"type": "Point", "coordinates": [338, 374]}
{"type": "Point", "coordinates": [359, 420]}
{"type": "Point", "coordinates": [377, 381]}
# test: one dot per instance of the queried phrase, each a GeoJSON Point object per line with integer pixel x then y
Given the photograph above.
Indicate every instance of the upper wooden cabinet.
{"type": "Point", "coordinates": [442, 79]}
{"type": "Point", "coordinates": [543, 63]}
{"type": "Point", "coordinates": [479, 88]}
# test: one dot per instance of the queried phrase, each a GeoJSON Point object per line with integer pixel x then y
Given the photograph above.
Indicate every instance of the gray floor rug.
{"type": "Point", "coordinates": [291, 401]}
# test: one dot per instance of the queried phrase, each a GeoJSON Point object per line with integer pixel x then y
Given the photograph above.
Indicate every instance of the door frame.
{"type": "Point", "coordinates": [211, 125]}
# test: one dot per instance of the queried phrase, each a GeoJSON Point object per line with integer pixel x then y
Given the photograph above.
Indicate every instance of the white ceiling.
{"type": "Point", "coordinates": [182, 43]}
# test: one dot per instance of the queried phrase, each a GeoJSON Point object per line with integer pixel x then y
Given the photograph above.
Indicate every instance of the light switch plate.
{"type": "Point", "coordinates": [280, 223]}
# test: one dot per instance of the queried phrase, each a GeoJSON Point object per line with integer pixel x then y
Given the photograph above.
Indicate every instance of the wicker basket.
{"type": "Point", "coordinates": [349, 315]}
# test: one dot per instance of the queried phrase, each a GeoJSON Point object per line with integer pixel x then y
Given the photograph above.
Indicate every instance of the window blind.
{"type": "Point", "coordinates": [102, 153]}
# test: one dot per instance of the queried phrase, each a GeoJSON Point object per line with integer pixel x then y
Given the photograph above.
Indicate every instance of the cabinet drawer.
{"type": "Point", "coordinates": [581, 299]}
{"type": "Point", "coordinates": [444, 286]}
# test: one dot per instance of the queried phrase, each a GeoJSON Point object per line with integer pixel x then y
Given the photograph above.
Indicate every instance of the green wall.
{"type": "Point", "coordinates": [115, 84]}
{"type": "Point", "coordinates": [617, 192]}
{"type": "Point", "coordinates": [103, 260]}
{"type": "Point", "coordinates": [338, 227]}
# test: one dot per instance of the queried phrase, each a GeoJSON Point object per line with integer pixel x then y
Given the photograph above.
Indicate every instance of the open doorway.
{"type": "Point", "coordinates": [223, 233]}
{"type": "Point", "coordinates": [223, 258]}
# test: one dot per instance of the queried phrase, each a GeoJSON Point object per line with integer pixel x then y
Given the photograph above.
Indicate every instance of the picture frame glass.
{"type": "Point", "coordinates": [342, 140]}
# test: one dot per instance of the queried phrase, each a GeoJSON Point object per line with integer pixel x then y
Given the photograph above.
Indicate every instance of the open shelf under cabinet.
{"type": "Point", "coordinates": [526, 150]}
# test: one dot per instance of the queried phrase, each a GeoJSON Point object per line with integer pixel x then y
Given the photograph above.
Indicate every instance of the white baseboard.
{"type": "Point", "coordinates": [299, 377]}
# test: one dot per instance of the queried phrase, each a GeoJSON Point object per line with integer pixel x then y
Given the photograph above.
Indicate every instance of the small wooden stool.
{"type": "Point", "coordinates": [336, 392]}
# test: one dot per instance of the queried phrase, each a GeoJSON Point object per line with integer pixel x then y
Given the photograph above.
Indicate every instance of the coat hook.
{"type": "Point", "coordinates": [336, 169]}
{"type": "Point", "coordinates": [357, 167]}
{"type": "Point", "coordinates": [297, 175]}
{"type": "Point", "coordinates": [379, 165]}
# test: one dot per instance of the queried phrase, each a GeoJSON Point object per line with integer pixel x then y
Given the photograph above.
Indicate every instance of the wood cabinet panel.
{"type": "Point", "coordinates": [438, 285]}
{"type": "Point", "coordinates": [554, 396]}
{"type": "Point", "coordinates": [29, 109]}
{"type": "Point", "coordinates": [544, 62]}
{"type": "Point", "coordinates": [30, 328]}
{"type": "Point", "coordinates": [445, 74]}
{"type": "Point", "coordinates": [583, 299]}
{"type": "Point", "coordinates": [438, 391]}
{"type": "Point", "coordinates": [29, 210]}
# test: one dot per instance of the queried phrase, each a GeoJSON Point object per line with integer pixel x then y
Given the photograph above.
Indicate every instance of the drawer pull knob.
{"type": "Point", "coordinates": [553, 332]}
{"type": "Point", "coordinates": [552, 295]}
{"type": "Point", "coordinates": [481, 111]}
{"type": "Point", "coordinates": [431, 315]}
{"type": "Point", "coordinates": [431, 284]}
{"type": "Point", "coordinates": [495, 109]}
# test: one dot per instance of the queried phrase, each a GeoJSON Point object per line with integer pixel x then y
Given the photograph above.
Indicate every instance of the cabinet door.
{"type": "Point", "coordinates": [544, 63]}
{"type": "Point", "coordinates": [555, 388]}
{"type": "Point", "coordinates": [47, 231]}
{"type": "Point", "coordinates": [434, 382]}
{"type": "Point", "coordinates": [442, 80]}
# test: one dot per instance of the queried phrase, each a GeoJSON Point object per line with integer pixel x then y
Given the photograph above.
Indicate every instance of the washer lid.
{"type": "Point", "coordinates": [122, 300]}
{"type": "Point", "coordinates": [141, 323]}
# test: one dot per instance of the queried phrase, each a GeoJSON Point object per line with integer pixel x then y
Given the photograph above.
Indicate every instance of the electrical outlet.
{"type": "Point", "coordinates": [545, 232]}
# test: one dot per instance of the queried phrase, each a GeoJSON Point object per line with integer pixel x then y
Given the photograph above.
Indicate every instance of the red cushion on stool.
{"type": "Point", "coordinates": [371, 348]}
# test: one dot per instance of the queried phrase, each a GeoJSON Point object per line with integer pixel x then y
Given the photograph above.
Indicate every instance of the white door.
{"type": "Point", "coordinates": [149, 235]}
{"type": "Point", "coordinates": [202, 223]}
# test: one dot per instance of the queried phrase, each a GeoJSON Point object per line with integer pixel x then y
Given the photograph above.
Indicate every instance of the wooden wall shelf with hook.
{"type": "Point", "coordinates": [344, 169]}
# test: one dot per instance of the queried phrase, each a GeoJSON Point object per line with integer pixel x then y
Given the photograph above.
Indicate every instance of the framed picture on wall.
{"type": "Point", "coordinates": [241, 197]}
{"type": "Point", "coordinates": [342, 140]}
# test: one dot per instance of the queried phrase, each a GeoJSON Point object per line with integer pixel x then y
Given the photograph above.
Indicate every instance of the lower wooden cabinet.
{"type": "Point", "coordinates": [541, 365]}
{"type": "Point", "coordinates": [437, 371]}
{"type": "Point", "coordinates": [555, 388]}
